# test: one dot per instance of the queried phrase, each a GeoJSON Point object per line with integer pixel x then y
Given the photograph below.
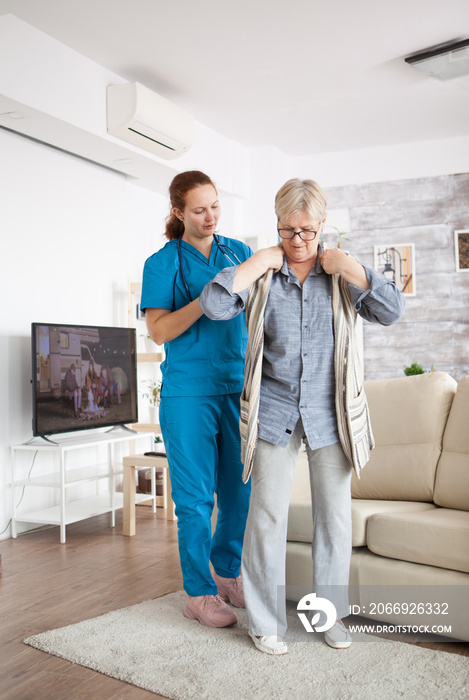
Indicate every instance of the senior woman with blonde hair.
{"type": "Point", "coordinates": [305, 299]}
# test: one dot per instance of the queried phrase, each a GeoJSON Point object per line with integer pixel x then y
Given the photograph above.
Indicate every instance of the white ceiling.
{"type": "Point", "coordinates": [307, 76]}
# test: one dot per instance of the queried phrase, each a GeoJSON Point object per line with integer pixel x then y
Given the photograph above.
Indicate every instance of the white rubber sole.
{"type": "Point", "coordinates": [270, 644]}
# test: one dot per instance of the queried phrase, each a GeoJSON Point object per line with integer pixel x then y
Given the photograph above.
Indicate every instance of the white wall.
{"type": "Point", "coordinates": [387, 163]}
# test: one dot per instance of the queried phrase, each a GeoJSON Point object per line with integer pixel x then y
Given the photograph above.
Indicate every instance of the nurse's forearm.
{"type": "Point", "coordinates": [164, 325]}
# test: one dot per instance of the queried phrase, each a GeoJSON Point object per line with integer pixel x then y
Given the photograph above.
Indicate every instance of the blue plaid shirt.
{"type": "Point", "coordinates": [298, 365]}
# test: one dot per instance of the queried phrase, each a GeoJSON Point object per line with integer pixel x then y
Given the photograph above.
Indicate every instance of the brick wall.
{"type": "Point", "coordinates": [435, 327]}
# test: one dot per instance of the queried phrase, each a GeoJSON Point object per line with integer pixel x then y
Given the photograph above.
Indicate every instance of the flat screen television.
{"type": "Point", "coordinates": [83, 377]}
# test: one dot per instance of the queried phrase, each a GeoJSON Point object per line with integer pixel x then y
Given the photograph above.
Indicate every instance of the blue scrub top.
{"type": "Point", "coordinates": [208, 358]}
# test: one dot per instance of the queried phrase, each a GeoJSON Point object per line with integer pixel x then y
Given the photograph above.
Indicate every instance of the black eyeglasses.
{"type": "Point", "coordinates": [304, 234]}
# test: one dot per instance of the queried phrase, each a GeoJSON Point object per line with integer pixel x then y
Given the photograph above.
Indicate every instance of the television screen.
{"type": "Point", "coordinates": [83, 377]}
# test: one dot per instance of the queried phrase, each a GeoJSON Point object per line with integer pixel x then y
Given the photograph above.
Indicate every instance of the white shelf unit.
{"type": "Point", "coordinates": [148, 356]}
{"type": "Point", "coordinates": [62, 478]}
{"type": "Point", "coordinates": [135, 291]}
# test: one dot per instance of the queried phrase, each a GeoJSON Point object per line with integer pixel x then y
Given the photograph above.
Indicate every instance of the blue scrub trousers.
{"type": "Point", "coordinates": [201, 437]}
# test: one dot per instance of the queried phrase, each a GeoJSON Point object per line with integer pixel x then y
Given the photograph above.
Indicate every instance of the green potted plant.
{"type": "Point", "coordinates": [148, 342]}
{"type": "Point", "coordinates": [153, 394]}
{"type": "Point", "coordinates": [340, 234]}
{"type": "Point", "coordinates": [415, 368]}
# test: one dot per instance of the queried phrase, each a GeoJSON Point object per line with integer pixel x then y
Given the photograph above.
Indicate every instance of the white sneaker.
{"type": "Point", "coordinates": [269, 644]}
{"type": "Point", "coordinates": [338, 637]}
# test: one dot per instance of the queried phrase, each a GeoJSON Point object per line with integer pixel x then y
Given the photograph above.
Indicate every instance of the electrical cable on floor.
{"type": "Point", "coordinates": [22, 493]}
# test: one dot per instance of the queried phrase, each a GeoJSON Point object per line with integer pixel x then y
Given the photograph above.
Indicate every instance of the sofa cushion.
{"type": "Point", "coordinates": [300, 517]}
{"type": "Point", "coordinates": [437, 537]}
{"type": "Point", "coordinates": [377, 581]}
{"type": "Point", "coordinates": [299, 570]}
{"type": "Point", "coordinates": [363, 509]}
{"type": "Point", "coordinates": [452, 474]}
{"type": "Point", "coordinates": [300, 522]}
{"type": "Point", "coordinates": [408, 416]}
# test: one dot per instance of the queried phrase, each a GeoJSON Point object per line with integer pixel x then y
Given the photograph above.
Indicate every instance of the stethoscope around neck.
{"type": "Point", "coordinates": [222, 247]}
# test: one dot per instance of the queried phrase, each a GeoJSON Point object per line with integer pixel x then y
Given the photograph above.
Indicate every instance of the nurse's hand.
{"type": "Point", "coordinates": [269, 258]}
{"type": "Point", "coordinates": [255, 266]}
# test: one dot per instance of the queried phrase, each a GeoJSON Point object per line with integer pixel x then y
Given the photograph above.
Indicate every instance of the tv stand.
{"type": "Point", "coordinates": [64, 478]}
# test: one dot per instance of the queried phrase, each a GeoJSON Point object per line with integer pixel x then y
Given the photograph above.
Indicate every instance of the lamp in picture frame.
{"type": "Point", "coordinates": [461, 250]}
{"type": "Point", "coordinates": [396, 261]}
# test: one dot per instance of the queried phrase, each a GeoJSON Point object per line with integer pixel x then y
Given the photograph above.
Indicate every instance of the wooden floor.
{"type": "Point", "coordinates": [44, 585]}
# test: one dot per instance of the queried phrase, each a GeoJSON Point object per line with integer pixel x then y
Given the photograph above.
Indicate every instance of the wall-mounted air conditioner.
{"type": "Point", "coordinates": [147, 120]}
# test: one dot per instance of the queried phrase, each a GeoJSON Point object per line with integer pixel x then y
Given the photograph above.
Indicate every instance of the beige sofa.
{"type": "Point", "coordinates": [410, 509]}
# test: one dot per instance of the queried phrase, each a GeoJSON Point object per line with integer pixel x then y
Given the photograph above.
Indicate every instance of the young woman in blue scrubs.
{"type": "Point", "coordinates": [199, 410]}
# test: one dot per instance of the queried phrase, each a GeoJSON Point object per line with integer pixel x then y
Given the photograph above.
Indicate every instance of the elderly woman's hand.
{"type": "Point", "coordinates": [335, 261]}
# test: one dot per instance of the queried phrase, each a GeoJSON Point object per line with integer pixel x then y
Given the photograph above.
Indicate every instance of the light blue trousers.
{"type": "Point", "coordinates": [263, 562]}
{"type": "Point", "coordinates": [201, 437]}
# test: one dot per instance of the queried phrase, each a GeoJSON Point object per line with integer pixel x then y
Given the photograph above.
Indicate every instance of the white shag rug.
{"type": "Point", "coordinates": [153, 646]}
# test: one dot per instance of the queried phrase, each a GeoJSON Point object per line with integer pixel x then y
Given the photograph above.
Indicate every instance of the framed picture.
{"type": "Point", "coordinates": [461, 250]}
{"type": "Point", "coordinates": [396, 261]}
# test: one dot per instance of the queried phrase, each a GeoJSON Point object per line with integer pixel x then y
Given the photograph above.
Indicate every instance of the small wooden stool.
{"type": "Point", "coordinates": [141, 461]}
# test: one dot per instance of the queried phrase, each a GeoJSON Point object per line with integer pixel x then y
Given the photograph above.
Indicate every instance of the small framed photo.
{"type": "Point", "coordinates": [461, 250]}
{"type": "Point", "coordinates": [396, 261]}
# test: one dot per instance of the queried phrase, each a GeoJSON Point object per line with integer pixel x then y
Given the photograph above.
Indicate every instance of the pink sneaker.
{"type": "Point", "coordinates": [231, 590]}
{"type": "Point", "coordinates": [210, 610]}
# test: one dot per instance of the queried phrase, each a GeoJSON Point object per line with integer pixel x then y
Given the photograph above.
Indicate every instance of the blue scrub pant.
{"type": "Point", "coordinates": [201, 437]}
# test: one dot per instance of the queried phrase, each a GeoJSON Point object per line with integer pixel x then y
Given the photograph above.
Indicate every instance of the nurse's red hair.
{"type": "Point", "coordinates": [178, 189]}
